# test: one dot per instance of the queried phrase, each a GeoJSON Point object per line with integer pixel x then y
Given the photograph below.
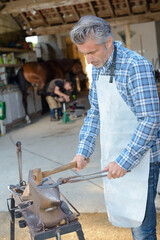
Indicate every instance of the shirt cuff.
{"type": "Point", "coordinates": [124, 163]}
{"type": "Point", "coordinates": [84, 152]}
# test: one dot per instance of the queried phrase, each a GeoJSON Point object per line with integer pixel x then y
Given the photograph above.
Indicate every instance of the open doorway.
{"type": "Point", "coordinates": [72, 52]}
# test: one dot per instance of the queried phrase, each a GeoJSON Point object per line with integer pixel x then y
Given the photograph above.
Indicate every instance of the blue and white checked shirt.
{"type": "Point", "coordinates": [134, 78]}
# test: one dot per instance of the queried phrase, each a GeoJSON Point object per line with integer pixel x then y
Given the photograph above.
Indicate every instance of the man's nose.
{"type": "Point", "coordinates": [89, 59]}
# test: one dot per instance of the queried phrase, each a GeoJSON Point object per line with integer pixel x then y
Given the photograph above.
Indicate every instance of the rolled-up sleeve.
{"type": "Point", "coordinates": [91, 126]}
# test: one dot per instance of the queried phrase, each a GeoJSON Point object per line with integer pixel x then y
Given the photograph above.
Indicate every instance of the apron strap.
{"type": "Point", "coordinates": [113, 66]}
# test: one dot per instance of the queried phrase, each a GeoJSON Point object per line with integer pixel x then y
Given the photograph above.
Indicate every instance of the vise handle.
{"type": "Point", "coordinates": [38, 175]}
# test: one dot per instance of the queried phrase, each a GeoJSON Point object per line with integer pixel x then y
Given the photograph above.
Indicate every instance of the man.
{"type": "Point", "coordinates": [125, 109]}
{"type": "Point", "coordinates": [56, 94]}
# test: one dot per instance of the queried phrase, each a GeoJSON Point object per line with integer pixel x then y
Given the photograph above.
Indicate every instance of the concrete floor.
{"type": "Point", "coordinates": [48, 145]}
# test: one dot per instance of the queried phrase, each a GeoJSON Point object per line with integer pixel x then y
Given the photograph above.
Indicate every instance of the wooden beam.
{"type": "Point", "coordinates": [128, 36]}
{"type": "Point", "coordinates": [128, 6]}
{"type": "Point", "coordinates": [75, 12]}
{"type": "Point", "coordinates": [59, 15]}
{"type": "Point", "coordinates": [26, 20]}
{"type": "Point", "coordinates": [43, 18]}
{"type": "Point", "coordinates": [141, 44]}
{"type": "Point", "coordinates": [92, 9]}
{"type": "Point", "coordinates": [2, 49]}
{"type": "Point", "coordinates": [110, 8]}
{"type": "Point", "coordinates": [141, 18]}
{"type": "Point", "coordinates": [133, 19]}
{"type": "Point", "coordinates": [51, 30]}
{"type": "Point", "coordinates": [24, 6]}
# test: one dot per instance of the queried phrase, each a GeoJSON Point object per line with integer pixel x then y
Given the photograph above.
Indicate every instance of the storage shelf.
{"type": "Point", "coordinates": [2, 49]}
{"type": "Point", "coordinates": [10, 65]}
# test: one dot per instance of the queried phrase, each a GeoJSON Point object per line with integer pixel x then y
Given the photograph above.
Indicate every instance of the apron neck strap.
{"type": "Point", "coordinates": [113, 65]}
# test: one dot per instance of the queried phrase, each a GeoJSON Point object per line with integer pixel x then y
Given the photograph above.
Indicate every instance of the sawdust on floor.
{"type": "Point", "coordinates": [95, 227]}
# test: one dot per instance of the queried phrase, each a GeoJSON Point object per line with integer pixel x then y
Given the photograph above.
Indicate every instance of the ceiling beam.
{"type": "Point", "coordinates": [133, 19]}
{"type": "Point", "coordinates": [51, 30]}
{"type": "Point", "coordinates": [141, 18]}
{"type": "Point", "coordinates": [43, 18]}
{"type": "Point", "coordinates": [92, 9]}
{"type": "Point", "coordinates": [75, 12]}
{"type": "Point", "coordinates": [59, 15]}
{"type": "Point", "coordinates": [24, 6]}
{"type": "Point", "coordinates": [26, 20]}
{"type": "Point", "coordinates": [128, 6]}
{"type": "Point", "coordinates": [110, 8]}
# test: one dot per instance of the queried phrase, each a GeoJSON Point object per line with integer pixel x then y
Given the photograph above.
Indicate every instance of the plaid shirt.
{"type": "Point", "coordinates": [135, 82]}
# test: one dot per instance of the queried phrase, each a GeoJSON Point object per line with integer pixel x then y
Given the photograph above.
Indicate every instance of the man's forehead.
{"type": "Point", "coordinates": [89, 46]}
{"type": "Point", "coordinates": [87, 52]}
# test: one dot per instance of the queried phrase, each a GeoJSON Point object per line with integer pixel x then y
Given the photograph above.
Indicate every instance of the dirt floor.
{"type": "Point", "coordinates": [95, 227]}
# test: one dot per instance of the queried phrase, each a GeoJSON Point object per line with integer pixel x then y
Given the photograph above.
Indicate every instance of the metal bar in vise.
{"type": "Point", "coordinates": [19, 157]}
{"type": "Point", "coordinates": [76, 178]}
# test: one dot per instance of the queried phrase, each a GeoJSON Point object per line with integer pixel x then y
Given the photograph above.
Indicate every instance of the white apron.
{"type": "Point", "coordinates": [125, 197]}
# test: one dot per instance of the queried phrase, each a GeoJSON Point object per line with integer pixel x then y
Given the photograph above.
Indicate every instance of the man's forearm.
{"type": "Point", "coordinates": [91, 126]}
{"type": "Point", "coordinates": [89, 132]}
{"type": "Point", "coordinates": [60, 94]}
{"type": "Point", "coordinates": [143, 139]}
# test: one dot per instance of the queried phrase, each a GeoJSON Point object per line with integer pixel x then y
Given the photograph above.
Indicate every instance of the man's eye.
{"type": "Point", "coordinates": [91, 53]}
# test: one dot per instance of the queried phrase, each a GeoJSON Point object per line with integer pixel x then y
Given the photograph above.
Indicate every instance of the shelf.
{"type": "Point", "coordinates": [2, 49]}
{"type": "Point", "coordinates": [10, 65]}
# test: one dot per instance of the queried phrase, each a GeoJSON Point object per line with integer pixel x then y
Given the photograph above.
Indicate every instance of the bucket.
{"type": "Point", "coordinates": [2, 110]}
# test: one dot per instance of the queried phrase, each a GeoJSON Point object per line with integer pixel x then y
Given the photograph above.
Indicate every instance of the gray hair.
{"type": "Point", "coordinates": [91, 27]}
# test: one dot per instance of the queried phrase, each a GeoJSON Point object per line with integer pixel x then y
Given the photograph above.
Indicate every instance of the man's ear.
{"type": "Point", "coordinates": [109, 42]}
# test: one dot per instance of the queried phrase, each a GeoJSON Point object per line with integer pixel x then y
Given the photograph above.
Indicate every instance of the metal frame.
{"type": "Point", "coordinates": [56, 232]}
{"type": "Point", "coordinates": [11, 209]}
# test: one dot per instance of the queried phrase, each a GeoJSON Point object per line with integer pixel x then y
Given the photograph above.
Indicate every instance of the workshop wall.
{"type": "Point", "coordinates": [8, 26]}
{"type": "Point", "coordinates": [143, 39]}
{"type": "Point", "coordinates": [48, 47]}
{"type": "Point", "coordinates": [157, 24]}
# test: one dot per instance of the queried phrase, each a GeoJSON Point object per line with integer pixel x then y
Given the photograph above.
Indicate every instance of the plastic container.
{"type": "Point", "coordinates": [2, 110]}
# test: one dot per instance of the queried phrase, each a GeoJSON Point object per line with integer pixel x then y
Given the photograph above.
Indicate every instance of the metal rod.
{"type": "Point", "coordinates": [76, 178]}
{"type": "Point", "coordinates": [87, 178]}
{"type": "Point", "coordinates": [90, 174]}
{"type": "Point", "coordinates": [12, 220]}
{"type": "Point", "coordinates": [58, 235]}
{"type": "Point", "coordinates": [64, 107]}
{"type": "Point", "coordinates": [19, 157]}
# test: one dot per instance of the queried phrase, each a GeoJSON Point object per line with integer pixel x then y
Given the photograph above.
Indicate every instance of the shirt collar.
{"type": "Point", "coordinates": [105, 68]}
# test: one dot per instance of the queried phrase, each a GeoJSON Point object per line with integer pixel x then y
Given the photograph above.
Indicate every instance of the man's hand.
{"type": "Point", "coordinates": [81, 162]}
{"type": "Point", "coordinates": [61, 99]}
{"type": "Point", "coordinates": [67, 98]}
{"type": "Point", "coordinates": [114, 170]}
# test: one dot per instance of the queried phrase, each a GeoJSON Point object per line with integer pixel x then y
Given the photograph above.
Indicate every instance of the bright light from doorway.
{"type": "Point", "coordinates": [89, 72]}
{"type": "Point", "coordinates": [33, 39]}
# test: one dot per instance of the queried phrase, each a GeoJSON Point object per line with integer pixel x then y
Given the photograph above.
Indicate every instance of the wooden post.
{"type": "Point", "coordinates": [61, 42]}
{"type": "Point", "coordinates": [141, 45]}
{"type": "Point", "coordinates": [128, 36]}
